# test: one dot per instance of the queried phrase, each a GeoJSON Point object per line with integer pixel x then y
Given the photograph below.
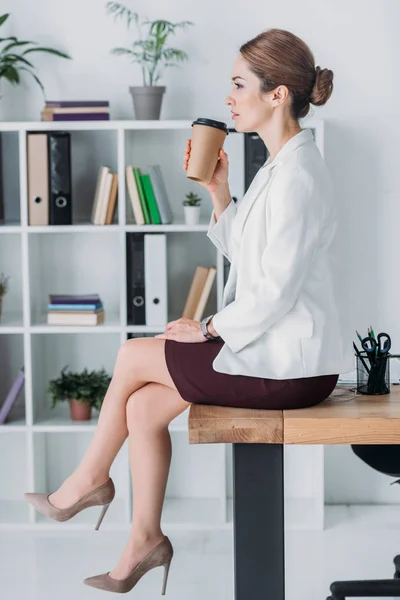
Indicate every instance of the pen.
{"type": "Point", "coordinates": [373, 336]}
{"type": "Point", "coordinates": [360, 357]}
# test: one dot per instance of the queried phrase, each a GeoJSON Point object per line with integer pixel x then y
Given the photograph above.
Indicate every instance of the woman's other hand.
{"type": "Point", "coordinates": [183, 330]}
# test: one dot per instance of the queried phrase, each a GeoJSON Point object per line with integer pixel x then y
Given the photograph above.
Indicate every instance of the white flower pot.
{"type": "Point", "coordinates": [192, 215]}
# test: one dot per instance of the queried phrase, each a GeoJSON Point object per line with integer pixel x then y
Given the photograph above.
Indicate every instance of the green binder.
{"type": "Point", "coordinates": [151, 200]}
{"type": "Point", "coordinates": [138, 178]}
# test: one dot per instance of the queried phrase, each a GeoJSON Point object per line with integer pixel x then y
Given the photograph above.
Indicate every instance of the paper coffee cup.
{"type": "Point", "coordinates": [208, 138]}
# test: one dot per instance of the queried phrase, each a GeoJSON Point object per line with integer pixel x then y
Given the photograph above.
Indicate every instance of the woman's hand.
{"type": "Point", "coordinates": [220, 176]}
{"type": "Point", "coordinates": [183, 330]}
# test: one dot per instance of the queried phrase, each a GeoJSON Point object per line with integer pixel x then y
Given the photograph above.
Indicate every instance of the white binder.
{"type": "Point", "coordinates": [155, 279]}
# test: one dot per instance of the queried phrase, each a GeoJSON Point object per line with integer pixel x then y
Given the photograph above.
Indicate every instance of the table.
{"type": "Point", "coordinates": [258, 438]}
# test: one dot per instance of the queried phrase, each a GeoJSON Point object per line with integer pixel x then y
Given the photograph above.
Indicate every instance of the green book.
{"type": "Point", "coordinates": [138, 178]}
{"type": "Point", "coordinates": [151, 200]}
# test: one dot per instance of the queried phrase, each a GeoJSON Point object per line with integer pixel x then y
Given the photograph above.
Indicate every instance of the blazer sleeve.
{"type": "Point", "coordinates": [220, 232]}
{"type": "Point", "coordinates": [293, 236]}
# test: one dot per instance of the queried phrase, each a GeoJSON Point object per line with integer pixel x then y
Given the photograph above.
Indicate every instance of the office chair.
{"type": "Point", "coordinates": [385, 459]}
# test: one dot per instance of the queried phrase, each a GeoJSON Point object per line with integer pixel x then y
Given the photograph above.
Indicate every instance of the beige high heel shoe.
{"type": "Point", "coordinates": [161, 555]}
{"type": "Point", "coordinates": [103, 495]}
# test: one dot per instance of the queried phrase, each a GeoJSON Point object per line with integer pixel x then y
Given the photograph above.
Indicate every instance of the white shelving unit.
{"type": "Point", "coordinates": [41, 446]}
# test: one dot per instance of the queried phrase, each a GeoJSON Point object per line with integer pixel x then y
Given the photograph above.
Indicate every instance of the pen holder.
{"type": "Point", "coordinates": [373, 373]}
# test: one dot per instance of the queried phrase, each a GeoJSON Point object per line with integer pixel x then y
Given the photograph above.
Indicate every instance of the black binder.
{"type": "Point", "coordinates": [60, 201]}
{"type": "Point", "coordinates": [136, 299]}
{"type": "Point", "coordinates": [255, 155]}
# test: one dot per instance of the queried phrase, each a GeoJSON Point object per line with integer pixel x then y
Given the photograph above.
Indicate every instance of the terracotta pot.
{"type": "Point", "coordinates": [80, 411]}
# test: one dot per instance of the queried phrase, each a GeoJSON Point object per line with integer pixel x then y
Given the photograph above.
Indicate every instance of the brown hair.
{"type": "Point", "coordinates": [279, 57]}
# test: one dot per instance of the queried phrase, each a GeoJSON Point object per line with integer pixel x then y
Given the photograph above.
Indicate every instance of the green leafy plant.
{"type": "Point", "coordinates": [3, 284]}
{"type": "Point", "coordinates": [13, 61]}
{"type": "Point", "coordinates": [84, 386]}
{"type": "Point", "coordinates": [151, 53]}
{"type": "Point", "coordinates": [192, 200]}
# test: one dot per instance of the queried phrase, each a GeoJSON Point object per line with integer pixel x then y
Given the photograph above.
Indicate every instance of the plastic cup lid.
{"type": "Point", "coordinates": [212, 123]}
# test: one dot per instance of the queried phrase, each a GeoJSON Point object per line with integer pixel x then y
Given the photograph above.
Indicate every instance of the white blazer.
{"type": "Point", "coordinates": [279, 318]}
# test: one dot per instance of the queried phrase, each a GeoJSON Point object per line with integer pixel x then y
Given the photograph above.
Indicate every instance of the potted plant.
{"type": "Point", "coordinates": [150, 53]}
{"type": "Point", "coordinates": [13, 57]}
{"type": "Point", "coordinates": [84, 390]}
{"type": "Point", "coordinates": [3, 289]}
{"type": "Point", "coordinates": [192, 209]}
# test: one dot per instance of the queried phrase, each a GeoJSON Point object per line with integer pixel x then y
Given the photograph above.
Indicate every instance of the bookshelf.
{"type": "Point", "coordinates": [41, 446]}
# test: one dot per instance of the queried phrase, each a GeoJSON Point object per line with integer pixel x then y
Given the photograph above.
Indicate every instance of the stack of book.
{"type": "Point", "coordinates": [199, 292]}
{"type": "Point", "coordinates": [105, 197]}
{"type": "Point", "coordinates": [148, 195]}
{"type": "Point", "coordinates": [76, 110]}
{"type": "Point", "coordinates": [75, 309]}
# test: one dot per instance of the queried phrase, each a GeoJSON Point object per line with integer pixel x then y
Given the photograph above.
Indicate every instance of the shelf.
{"type": "Point", "coordinates": [11, 323]}
{"type": "Point", "coordinates": [90, 228]}
{"type": "Point", "coordinates": [14, 511]}
{"type": "Point", "coordinates": [17, 425]}
{"type": "Point", "coordinates": [10, 227]}
{"type": "Point", "coordinates": [44, 260]}
{"type": "Point", "coordinates": [74, 228]}
{"type": "Point", "coordinates": [173, 227]}
{"type": "Point", "coordinates": [63, 424]}
{"type": "Point", "coordinates": [111, 125]}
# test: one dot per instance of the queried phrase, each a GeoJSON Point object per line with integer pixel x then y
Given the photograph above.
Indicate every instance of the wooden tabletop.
{"type": "Point", "coordinates": [365, 419]}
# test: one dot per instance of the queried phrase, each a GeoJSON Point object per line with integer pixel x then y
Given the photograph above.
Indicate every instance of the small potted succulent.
{"type": "Point", "coordinates": [84, 390]}
{"type": "Point", "coordinates": [151, 53]}
{"type": "Point", "coordinates": [3, 289]}
{"type": "Point", "coordinates": [192, 208]}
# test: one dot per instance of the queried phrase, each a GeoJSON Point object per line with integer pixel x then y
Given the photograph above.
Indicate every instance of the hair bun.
{"type": "Point", "coordinates": [323, 86]}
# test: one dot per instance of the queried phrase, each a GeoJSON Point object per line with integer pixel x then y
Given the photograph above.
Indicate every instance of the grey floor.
{"type": "Point", "coordinates": [358, 542]}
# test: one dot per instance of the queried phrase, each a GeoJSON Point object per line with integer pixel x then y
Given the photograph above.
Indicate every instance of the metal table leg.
{"type": "Point", "coordinates": [258, 521]}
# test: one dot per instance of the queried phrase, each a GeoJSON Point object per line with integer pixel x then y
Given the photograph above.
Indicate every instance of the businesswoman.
{"type": "Point", "coordinates": [276, 342]}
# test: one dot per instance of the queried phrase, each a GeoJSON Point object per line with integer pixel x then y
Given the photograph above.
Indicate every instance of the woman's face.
{"type": "Point", "coordinates": [254, 112]}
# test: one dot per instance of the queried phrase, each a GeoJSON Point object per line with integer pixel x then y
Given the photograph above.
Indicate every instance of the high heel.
{"type": "Point", "coordinates": [103, 495]}
{"type": "Point", "coordinates": [161, 555]}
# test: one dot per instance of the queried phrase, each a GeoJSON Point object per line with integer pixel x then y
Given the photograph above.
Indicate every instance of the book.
{"type": "Point", "coordinates": [75, 116]}
{"type": "Point", "coordinates": [12, 395]}
{"type": "Point", "coordinates": [75, 319]}
{"type": "Point", "coordinates": [150, 199]}
{"type": "Point", "coordinates": [74, 298]}
{"type": "Point", "coordinates": [137, 175]}
{"type": "Point", "coordinates": [75, 109]}
{"type": "Point", "coordinates": [160, 194]}
{"type": "Point", "coordinates": [104, 197]}
{"type": "Point", "coordinates": [205, 293]}
{"type": "Point", "coordinates": [100, 185]}
{"type": "Point", "coordinates": [195, 291]}
{"type": "Point", "coordinates": [76, 103]}
{"type": "Point", "coordinates": [112, 200]}
{"type": "Point", "coordinates": [134, 196]}
{"type": "Point", "coordinates": [75, 307]}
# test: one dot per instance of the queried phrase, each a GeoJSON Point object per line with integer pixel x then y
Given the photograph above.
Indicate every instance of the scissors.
{"type": "Point", "coordinates": [376, 347]}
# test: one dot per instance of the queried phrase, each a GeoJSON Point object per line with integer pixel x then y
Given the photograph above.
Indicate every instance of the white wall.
{"type": "Point", "coordinates": [358, 42]}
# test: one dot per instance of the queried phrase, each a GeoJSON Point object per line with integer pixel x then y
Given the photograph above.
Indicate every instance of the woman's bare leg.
{"type": "Point", "coordinates": [149, 411]}
{"type": "Point", "coordinates": [139, 362]}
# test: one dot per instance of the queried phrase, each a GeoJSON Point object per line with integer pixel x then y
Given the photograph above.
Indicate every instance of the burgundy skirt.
{"type": "Point", "coordinates": [190, 367]}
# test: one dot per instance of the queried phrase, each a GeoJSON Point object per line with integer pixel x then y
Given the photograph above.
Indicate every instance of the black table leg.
{"type": "Point", "coordinates": [258, 521]}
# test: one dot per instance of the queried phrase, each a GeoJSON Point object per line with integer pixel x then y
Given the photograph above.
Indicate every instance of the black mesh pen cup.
{"type": "Point", "coordinates": [373, 373]}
